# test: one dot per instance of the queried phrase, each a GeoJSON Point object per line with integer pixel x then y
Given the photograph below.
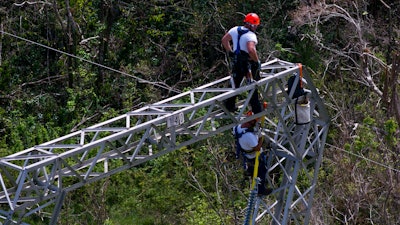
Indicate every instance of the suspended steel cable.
{"type": "Point", "coordinates": [94, 63]}
{"type": "Point", "coordinates": [362, 157]}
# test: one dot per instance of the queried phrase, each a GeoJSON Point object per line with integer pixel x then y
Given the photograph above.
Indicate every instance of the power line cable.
{"type": "Point", "coordinates": [91, 62]}
{"type": "Point", "coordinates": [362, 157]}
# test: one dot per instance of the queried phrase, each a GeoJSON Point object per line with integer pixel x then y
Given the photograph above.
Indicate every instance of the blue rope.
{"type": "Point", "coordinates": [250, 206]}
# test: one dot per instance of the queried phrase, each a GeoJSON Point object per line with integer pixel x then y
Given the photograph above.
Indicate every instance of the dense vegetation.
{"type": "Point", "coordinates": [65, 65]}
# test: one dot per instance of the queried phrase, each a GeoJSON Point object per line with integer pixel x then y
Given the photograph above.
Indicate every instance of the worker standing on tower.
{"type": "Point", "coordinates": [243, 52]}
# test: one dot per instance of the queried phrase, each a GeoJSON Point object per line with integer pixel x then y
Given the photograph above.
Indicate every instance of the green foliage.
{"type": "Point", "coordinates": [365, 138]}
{"type": "Point", "coordinates": [391, 127]}
{"type": "Point", "coordinates": [199, 213]}
{"type": "Point", "coordinates": [178, 43]}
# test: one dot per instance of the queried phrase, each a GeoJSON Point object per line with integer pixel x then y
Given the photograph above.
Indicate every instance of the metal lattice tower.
{"type": "Point", "coordinates": [38, 178]}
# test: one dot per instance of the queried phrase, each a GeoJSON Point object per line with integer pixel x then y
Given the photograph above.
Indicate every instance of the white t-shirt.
{"type": "Point", "coordinates": [247, 141]}
{"type": "Point", "coordinates": [249, 36]}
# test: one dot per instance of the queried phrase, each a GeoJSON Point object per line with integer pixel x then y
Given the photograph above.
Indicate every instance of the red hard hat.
{"type": "Point", "coordinates": [252, 18]}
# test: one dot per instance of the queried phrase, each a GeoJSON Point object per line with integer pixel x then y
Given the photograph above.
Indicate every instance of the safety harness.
{"type": "Point", "coordinates": [239, 150]}
{"type": "Point", "coordinates": [240, 33]}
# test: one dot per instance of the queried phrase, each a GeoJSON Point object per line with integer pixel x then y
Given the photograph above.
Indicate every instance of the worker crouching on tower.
{"type": "Point", "coordinates": [248, 143]}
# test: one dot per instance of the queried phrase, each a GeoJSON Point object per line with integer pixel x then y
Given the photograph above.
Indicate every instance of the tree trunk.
{"type": "Point", "coordinates": [395, 103]}
{"type": "Point", "coordinates": [108, 15]}
{"type": "Point", "coordinates": [71, 45]}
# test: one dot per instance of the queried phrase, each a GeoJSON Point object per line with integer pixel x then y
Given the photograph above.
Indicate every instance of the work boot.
{"type": "Point", "coordinates": [230, 104]}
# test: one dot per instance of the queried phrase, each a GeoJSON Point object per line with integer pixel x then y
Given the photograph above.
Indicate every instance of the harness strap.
{"type": "Point", "coordinates": [240, 33]}
{"type": "Point", "coordinates": [239, 149]}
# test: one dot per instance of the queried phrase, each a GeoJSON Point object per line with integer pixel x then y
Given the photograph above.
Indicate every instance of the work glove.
{"type": "Point", "coordinates": [255, 65]}
{"type": "Point", "coordinates": [255, 69]}
{"type": "Point", "coordinates": [258, 65]}
{"type": "Point", "coordinates": [250, 80]}
{"type": "Point", "coordinates": [231, 59]}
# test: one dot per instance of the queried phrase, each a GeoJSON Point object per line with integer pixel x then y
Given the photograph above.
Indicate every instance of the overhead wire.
{"type": "Point", "coordinates": [91, 62]}
{"type": "Point", "coordinates": [365, 158]}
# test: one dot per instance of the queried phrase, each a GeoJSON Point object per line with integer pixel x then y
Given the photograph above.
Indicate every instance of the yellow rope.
{"type": "Point", "coordinates": [255, 172]}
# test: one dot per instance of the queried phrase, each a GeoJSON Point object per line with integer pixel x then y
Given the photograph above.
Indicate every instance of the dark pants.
{"type": "Point", "coordinates": [241, 67]}
{"type": "Point", "coordinates": [262, 170]}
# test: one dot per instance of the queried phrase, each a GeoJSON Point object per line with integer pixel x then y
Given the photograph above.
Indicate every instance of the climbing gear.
{"type": "Point", "coordinates": [252, 19]}
{"type": "Point", "coordinates": [255, 173]}
{"type": "Point", "coordinates": [302, 110]}
{"type": "Point", "coordinates": [299, 90]}
{"type": "Point", "coordinates": [239, 150]}
{"type": "Point", "coordinates": [240, 33]}
{"type": "Point", "coordinates": [254, 186]}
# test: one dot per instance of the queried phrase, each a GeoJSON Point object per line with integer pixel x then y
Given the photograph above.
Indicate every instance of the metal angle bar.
{"type": "Point", "coordinates": [94, 160]}
{"type": "Point", "coordinates": [40, 207]}
{"type": "Point", "coordinates": [85, 153]}
{"type": "Point", "coordinates": [171, 105]}
{"type": "Point", "coordinates": [205, 118]}
{"type": "Point", "coordinates": [57, 140]}
{"type": "Point", "coordinates": [103, 129]}
{"type": "Point", "coordinates": [314, 142]}
{"type": "Point", "coordinates": [290, 190]}
{"type": "Point", "coordinates": [211, 90]}
{"type": "Point", "coordinates": [8, 175]}
{"type": "Point", "coordinates": [316, 170]}
{"type": "Point", "coordinates": [81, 164]}
{"type": "Point", "coordinates": [267, 210]}
{"type": "Point", "coordinates": [127, 121]}
{"type": "Point", "coordinates": [221, 80]}
{"type": "Point", "coordinates": [3, 185]}
{"type": "Point", "coordinates": [113, 156]}
{"type": "Point", "coordinates": [184, 130]}
{"type": "Point", "coordinates": [273, 67]}
{"type": "Point", "coordinates": [192, 91]}
{"type": "Point", "coordinates": [73, 170]}
{"type": "Point", "coordinates": [155, 112]}
{"type": "Point", "coordinates": [43, 151]}
{"type": "Point", "coordinates": [107, 122]}
{"type": "Point", "coordinates": [19, 188]}
{"type": "Point", "coordinates": [26, 157]}
{"type": "Point", "coordinates": [54, 146]}
{"type": "Point", "coordinates": [142, 140]}
{"type": "Point", "coordinates": [270, 61]}
{"type": "Point", "coordinates": [54, 174]}
{"type": "Point", "coordinates": [35, 200]}
{"type": "Point", "coordinates": [46, 143]}
{"type": "Point", "coordinates": [94, 138]}
{"type": "Point", "coordinates": [202, 97]}
{"type": "Point", "coordinates": [302, 196]}
{"type": "Point", "coordinates": [22, 200]}
{"type": "Point", "coordinates": [68, 169]}
{"type": "Point", "coordinates": [57, 208]}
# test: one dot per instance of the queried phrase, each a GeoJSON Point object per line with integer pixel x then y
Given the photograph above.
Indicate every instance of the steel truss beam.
{"type": "Point", "coordinates": [38, 178]}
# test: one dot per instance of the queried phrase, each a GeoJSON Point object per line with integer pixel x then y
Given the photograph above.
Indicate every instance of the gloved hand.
{"type": "Point", "coordinates": [250, 80]}
{"type": "Point", "coordinates": [256, 69]}
{"type": "Point", "coordinates": [255, 65]}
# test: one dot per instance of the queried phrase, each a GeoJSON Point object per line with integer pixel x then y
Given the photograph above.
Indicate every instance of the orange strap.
{"type": "Point", "coordinates": [300, 74]}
